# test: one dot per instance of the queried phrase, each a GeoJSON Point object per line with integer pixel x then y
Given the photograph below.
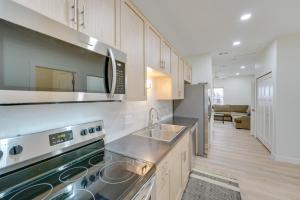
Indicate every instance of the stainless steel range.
{"type": "Point", "coordinates": [70, 163]}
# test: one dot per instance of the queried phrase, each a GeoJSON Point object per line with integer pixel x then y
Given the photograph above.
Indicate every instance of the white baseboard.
{"type": "Point", "coordinates": [286, 159]}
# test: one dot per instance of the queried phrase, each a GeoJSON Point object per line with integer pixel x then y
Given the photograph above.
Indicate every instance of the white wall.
{"type": "Point", "coordinates": [282, 58]}
{"type": "Point", "coordinates": [120, 119]}
{"type": "Point", "coordinates": [202, 68]}
{"type": "Point", "coordinates": [287, 101]}
{"type": "Point", "coordinates": [266, 60]}
{"type": "Point", "coordinates": [237, 90]}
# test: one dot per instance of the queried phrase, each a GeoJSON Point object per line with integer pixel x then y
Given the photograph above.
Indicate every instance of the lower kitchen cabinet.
{"type": "Point", "coordinates": [176, 174]}
{"type": "Point", "coordinates": [185, 160]}
{"type": "Point", "coordinates": [173, 172]}
{"type": "Point", "coordinates": [163, 180]}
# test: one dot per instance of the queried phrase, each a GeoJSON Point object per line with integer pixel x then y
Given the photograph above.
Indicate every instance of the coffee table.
{"type": "Point", "coordinates": [220, 115]}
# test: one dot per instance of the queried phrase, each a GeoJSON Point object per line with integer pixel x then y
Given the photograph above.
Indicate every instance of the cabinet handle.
{"type": "Point", "coordinates": [74, 7]}
{"type": "Point", "coordinates": [83, 16]}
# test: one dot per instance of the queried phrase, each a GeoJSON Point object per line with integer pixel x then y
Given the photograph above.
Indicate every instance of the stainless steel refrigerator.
{"type": "Point", "coordinates": [196, 104]}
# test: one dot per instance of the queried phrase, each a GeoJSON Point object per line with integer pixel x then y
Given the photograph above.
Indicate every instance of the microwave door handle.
{"type": "Point", "coordinates": [114, 68]}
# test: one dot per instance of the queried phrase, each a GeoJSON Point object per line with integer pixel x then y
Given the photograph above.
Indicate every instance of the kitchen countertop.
{"type": "Point", "coordinates": [148, 149]}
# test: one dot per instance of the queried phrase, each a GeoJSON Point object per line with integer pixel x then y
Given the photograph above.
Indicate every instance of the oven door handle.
{"type": "Point", "coordinates": [114, 70]}
{"type": "Point", "coordinates": [149, 191]}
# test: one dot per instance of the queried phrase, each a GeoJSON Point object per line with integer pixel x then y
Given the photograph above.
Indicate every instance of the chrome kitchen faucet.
{"type": "Point", "coordinates": [150, 123]}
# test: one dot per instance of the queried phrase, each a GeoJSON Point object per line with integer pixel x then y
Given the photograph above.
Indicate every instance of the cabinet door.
{"type": "Point", "coordinates": [181, 80]}
{"type": "Point", "coordinates": [97, 19]}
{"type": "Point", "coordinates": [153, 49]}
{"type": "Point", "coordinates": [166, 57]}
{"type": "Point", "coordinates": [163, 180]}
{"type": "Point", "coordinates": [185, 162]}
{"type": "Point", "coordinates": [190, 74]}
{"type": "Point", "coordinates": [132, 43]}
{"type": "Point", "coordinates": [175, 172]}
{"type": "Point", "coordinates": [174, 73]}
{"type": "Point", "coordinates": [187, 72]}
{"type": "Point", "coordinates": [62, 11]}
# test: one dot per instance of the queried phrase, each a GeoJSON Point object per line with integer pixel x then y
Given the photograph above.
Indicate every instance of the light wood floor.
{"type": "Point", "coordinates": [236, 154]}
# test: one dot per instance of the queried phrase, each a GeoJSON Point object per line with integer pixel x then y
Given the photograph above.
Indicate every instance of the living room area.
{"type": "Point", "coordinates": [233, 101]}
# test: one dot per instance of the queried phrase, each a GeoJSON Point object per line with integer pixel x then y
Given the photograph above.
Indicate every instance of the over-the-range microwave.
{"type": "Point", "coordinates": [44, 61]}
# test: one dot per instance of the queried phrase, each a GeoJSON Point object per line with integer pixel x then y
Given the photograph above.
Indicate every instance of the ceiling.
{"type": "Point", "coordinates": [211, 26]}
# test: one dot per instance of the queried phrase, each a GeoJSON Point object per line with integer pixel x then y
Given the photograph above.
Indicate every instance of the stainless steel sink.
{"type": "Point", "coordinates": [162, 132]}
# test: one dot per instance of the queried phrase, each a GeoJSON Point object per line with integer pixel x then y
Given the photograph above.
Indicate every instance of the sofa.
{"type": "Point", "coordinates": [238, 114]}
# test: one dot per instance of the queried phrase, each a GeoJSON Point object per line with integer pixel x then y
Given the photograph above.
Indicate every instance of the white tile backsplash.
{"type": "Point", "coordinates": [120, 118]}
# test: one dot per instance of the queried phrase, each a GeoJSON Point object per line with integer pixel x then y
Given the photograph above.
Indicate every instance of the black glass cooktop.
{"type": "Point", "coordinates": [88, 173]}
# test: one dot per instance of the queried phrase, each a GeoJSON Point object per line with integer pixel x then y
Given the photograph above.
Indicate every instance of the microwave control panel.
{"type": "Point", "coordinates": [121, 78]}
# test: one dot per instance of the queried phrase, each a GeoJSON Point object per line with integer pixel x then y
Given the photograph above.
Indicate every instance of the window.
{"type": "Point", "coordinates": [218, 96]}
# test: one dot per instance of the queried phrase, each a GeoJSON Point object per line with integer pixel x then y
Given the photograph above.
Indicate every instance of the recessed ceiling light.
{"type": "Point", "coordinates": [236, 43]}
{"type": "Point", "coordinates": [243, 67]}
{"type": "Point", "coordinates": [237, 74]}
{"type": "Point", "coordinates": [246, 17]}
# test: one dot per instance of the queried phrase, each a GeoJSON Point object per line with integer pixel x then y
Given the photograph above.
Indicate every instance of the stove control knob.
{"type": "Point", "coordinates": [92, 178]}
{"type": "Point", "coordinates": [1, 154]}
{"type": "Point", "coordinates": [83, 132]}
{"type": "Point", "coordinates": [98, 128]}
{"type": "Point", "coordinates": [91, 130]}
{"type": "Point", "coordinates": [15, 150]}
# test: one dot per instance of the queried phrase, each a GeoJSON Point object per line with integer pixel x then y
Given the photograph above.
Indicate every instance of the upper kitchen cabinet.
{"type": "Point", "coordinates": [187, 73]}
{"type": "Point", "coordinates": [181, 79]}
{"type": "Point", "coordinates": [166, 57]}
{"type": "Point", "coordinates": [63, 11]}
{"type": "Point", "coordinates": [97, 18]}
{"type": "Point", "coordinates": [153, 49]}
{"type": "Point", "coordinates": [133, 44]}
{"type": "Point", "coordinates": [158, 51]}
{"type": "Point", "coordinates": [174, 74]}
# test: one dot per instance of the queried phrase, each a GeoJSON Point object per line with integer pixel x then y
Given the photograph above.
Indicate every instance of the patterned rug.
{"type": "Point", "coordinates": [207, 186]}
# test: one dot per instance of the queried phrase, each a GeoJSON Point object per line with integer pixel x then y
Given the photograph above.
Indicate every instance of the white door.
{"type": "Point", "coordinates": [264, 110]}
